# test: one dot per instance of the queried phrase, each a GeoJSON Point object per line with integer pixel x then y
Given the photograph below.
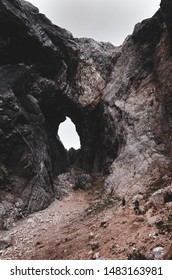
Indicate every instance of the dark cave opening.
{"type": "Point", "coordinates": [99, 142]}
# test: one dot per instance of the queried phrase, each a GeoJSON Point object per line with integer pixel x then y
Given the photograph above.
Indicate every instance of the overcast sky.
{"type": "Point", "coordinates": [102, 20]}
{"type": "Point", "coordinates": [68, 134]}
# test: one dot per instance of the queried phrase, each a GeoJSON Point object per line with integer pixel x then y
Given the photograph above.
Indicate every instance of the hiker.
{"type": "Point", "coordinates": [123, 201]}
{"type": "Point", "coordinates": [136, 206]}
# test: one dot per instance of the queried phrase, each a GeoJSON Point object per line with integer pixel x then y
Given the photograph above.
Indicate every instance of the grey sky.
{"type": "Point", "coordinates": [68, 134]}
{"type": "Point", "coordinates": [102, 20]}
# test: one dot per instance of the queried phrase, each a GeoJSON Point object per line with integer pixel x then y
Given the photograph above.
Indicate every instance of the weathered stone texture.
{"type": "Point", "coordinates": [119, 98]}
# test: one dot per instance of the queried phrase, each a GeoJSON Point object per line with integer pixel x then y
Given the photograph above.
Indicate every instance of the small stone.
{"type": "Point", "coordinates": [96, 256]}
{"type": "Point", "coordinates": [91, 235]}
{"type": "Point", "coordinates": [97, 192]}
{"type": "Point", "coordinates": [90, 252]}
{"type": "Point", "coordinates": [135, 224]}
{"type": "Point", "coordinates": [140, 219]}
{"type": "Point", "coordinates": [30, 220]}
{"type": "Point", "coordinates": [153, 220]}
{"type": "Point", "coordinates": [158, 252]}
{"type": "Point", "coordinates": [132, 243]}
{"type": "Point", "coordinates": [14, 232]}
{"type": "Point", "coordinates": [169, 205]}
{"type": "Point", "coordinates": [170, 215]}
{"type": "Point", "coordinates": [67, 239]}
{"type": "Point", "coordinates": [2, 210]}
{"type": "Point", "coordinates": [5, 242]}
{"type": "Point", "coordinates": [159, 223]}
{"type": "Point", "coordinates": [103, 224]}
{"type": "Point", "coordinates": [94, 245]}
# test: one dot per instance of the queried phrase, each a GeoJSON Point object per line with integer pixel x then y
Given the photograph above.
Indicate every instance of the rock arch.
{"type": "Point", "coordinates": [91, 127]}
{"type": "Point", "coordinates": [118, 98]}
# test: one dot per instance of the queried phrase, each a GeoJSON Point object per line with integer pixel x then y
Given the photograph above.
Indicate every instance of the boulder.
{"type": "Point", "coordinates": [157, 199]}
{"type": "Point", "coordinates": [162, 197]}
{"type": "Point", "coordinates": [158, 252]}
{"type": "Point", "coordinates": [5, 242]}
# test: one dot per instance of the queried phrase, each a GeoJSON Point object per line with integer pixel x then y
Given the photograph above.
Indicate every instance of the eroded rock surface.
{"type": "Point", "coordinates": [119, 98]}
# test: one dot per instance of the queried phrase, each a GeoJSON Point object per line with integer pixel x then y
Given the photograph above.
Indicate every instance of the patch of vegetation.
{"type": "Point", "coordinates": [137, 255]}
{"type": "Point", "coordinates": [102, 205]}
{"type": "Point", "coordinates": [157, 185]}
{"type": "Point", "coordinates": [165, 226]}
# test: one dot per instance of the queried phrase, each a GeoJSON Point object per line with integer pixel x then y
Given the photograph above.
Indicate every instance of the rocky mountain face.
{"type": "Point", "coordinates": [119, 99]}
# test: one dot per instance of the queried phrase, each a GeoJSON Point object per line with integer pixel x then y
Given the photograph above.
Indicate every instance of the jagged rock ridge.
{"type": "Point", "coordinates": [119, 98]}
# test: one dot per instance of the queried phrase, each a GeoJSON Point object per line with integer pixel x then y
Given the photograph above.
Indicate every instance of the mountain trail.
{"type": "Point", "coordinates": [84, 225]}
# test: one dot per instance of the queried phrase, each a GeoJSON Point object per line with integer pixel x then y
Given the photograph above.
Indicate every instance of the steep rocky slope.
{"type": "Point", "coordinates": [119, 98]}
{"type": "Point", "coordinates": [89, 225]}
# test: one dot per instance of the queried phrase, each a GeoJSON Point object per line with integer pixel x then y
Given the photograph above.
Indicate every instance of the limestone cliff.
{"type": "Point", "coordinates": [119, 98]}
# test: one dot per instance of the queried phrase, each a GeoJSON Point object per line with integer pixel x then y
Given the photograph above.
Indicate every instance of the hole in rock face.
{"type": "Point", "coordinates": [68, 135]}
{"type": "Point", "coordinates": [95, 144]}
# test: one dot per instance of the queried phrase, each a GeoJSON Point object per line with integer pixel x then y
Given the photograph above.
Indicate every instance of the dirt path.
{"type": "Point", "coordinates": [37, 229]}
{"type": "Point", "coordinates": [83, 225]}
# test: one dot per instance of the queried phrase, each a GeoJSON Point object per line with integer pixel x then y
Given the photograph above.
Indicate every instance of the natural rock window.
{"type": "Point", "coordinates": [68, 135]}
